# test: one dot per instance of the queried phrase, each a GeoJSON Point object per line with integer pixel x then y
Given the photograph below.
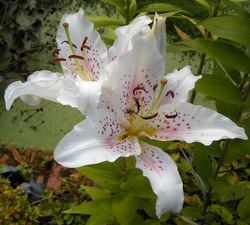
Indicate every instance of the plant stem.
{"type": "Point", "coordinates": [202, 63]}
{"type": "Point", "coordinates": [127, 11]}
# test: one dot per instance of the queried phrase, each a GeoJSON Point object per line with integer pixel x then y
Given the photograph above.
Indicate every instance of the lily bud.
{"type": "Point", "coordinates": [159, 30]}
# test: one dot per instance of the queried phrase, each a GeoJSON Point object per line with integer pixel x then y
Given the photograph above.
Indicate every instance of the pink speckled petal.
{"type": "Point", "coordinates": [124, 36]}
{"type": "Point", "coordinates": [180, 82]}
{"type": "Point", "coordinates": [140, 67]}
{"type": "Point", "coordinates": [193, 124]}
{"type": "Point", "coordinates": [98, 138]}
{"type": "Point", "coordinates": [164, 178]}
{"type": "Point", "coordinates": [79, 28]}
{"type": "Point", "coordinates": [42, 84]}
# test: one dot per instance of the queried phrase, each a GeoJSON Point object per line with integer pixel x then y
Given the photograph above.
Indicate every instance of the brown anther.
{"type": "Point", "coordinates": [150, 117]}
{"type": "Point", "coordinates": [76, 57]}
{"type": "Point", "coordinates": [171, 116]}
{"type": "Point", "coordinates": [164, 81]}
{"type": "Point", "coordinates": [84, 41]}
{"type": "Point", "coordinates": [138, 88]}
{"type": "Point", "coordinates": [68, 43]}
{"type": "Point", "coordinates": [137, 104]}
{"type": "Point", "coordinates": [85, 46]}
{"type": "Point", "coordinates": [155, 86]}
{"type": "Point", "coordinates": [58, 60]}
{"type": "Point", "coordinates": [65, 24]}
{"type": "Point", "coordinates": [170, 93]}
{"type": "Point", "coordinates": [130, 111]}
{"type": "Point", "coordinates": [56, 51]}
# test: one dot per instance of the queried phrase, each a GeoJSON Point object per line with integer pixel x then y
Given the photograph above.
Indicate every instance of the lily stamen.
{"type": "Point", "coordinates": [69, 44]}
{"type": "Point", "coordinates": [170, 93]}
{"type": "Point", "coordinates": [85, 46]}
{"type": "Point", "coordinates": [155, 86]}
{"type": "Point", "coordinates": [84, 41]}
{"type": "Point", "coordinates": [58, 60]}
{"type": "Point", "coordinates": [138, 88]}
{"type": "Point", "coordinates": [171, 116]}
{"type": "Point", "coordinates": [137, 104]}
{"type": "Point", "coordinates": [56, 51]}
{"type": "Point", "coordinates": [76, 57]}
{"type": "Point", "coordinates": [150, 117]}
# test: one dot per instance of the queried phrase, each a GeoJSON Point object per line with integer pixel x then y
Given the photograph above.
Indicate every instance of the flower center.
{"type": "Point", "coordinates": [78, 67]}
{"type": "Point", "coordinates": [140, 117]}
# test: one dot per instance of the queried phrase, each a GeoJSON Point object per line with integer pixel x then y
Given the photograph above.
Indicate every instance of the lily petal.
{"type": "Point", "coordinates": [41, 84]}
{"type": "Point", "coordinates": [95, 58]}
{"type": "Point", "coordinates": [164, 178]}
{"type": "Point", "coordinates": [140, 67]}
{"type": "Point", "coordinates": [192, 123]}
{"type": "Point", "coordinates": [124, 36]}
{"type": "Point", "coordinates": [88, 94]}
{"type": "Point", "coordinates": [180, 82]}
{"type": "Point", "coordinates": [98, 138]}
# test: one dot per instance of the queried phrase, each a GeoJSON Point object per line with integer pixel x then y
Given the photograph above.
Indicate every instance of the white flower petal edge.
{"type": "Point", "coordinates": [94, 140]}
{"type": "Point", "coordinates": [193, 123]}
{"type": "Point", "coordinates": [180, 82]}
{"type": "Point", "coordinates": [95, 58]}
{"type": "Point", "coordinates": [124, 35]}
{"type": "Point", "coordinates": [88, 94]}
{"type": "Point", "coordinates": [163, 175]}
{"type": "Point", "coordinates": [41, 84]}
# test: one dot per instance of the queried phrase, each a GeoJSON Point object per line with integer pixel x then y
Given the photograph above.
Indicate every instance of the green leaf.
{"type": "Point", "coordinates": [236, 29]}
{"type": "Point", "coordinates": [193, 212]}
{"type": "Point", "coordinates": [213, 150]}
{"type": "Point", "coordinates": [100, 211]}
{"type": "Point", "coordinates": [205, 5]}
{"type": "Point", "coordinates": [203, 166]}
{"type": "Point", "coordinates": [227, 109]}
{"type": "Point", "coordinates": [237, 8]}
{"type": "Point", "coordinates": [232, 73]}
{"type": "Point", "coordinates": [87, 208]}
{"type": "Point", "coordinates": [243, 209]}
{"type": "Point", "coordinates": [234, 192]}
{"type": "Point", "coordinates": [224, 213]}
{"type": "Point", "coordinates": [169, 14]}
{"type": "Point", "coordinates": [215, 3]}
{"type": "Point", "coordinates": [117, 3]}
{"type": "Point", "coordinates": [105, 21]}
{"type": "Point", "coordinates": [224, 52]}
{"type": "Point", "coordinates": [237, 148]}
{"type": "Point", "coordinates": [178, 48]}
{"type": "Point", "coordinates": [105, 174]}
{"type": "Point", "coordinates": [132, 8]}
{"type": "Point", "coordinates": [220, 88]}
{"type": "Point", "coordinates": [124, 206]}
{"type": "Point", "coordinates": [138, 185]}
{"type": "Point", "coordinates": [160, 7]}
{"type": "Point", "coordinates": [103, 214]}
{"type": "Point", "coordinates": [97, 193]}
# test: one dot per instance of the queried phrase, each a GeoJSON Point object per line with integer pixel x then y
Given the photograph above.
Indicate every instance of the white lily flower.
{"type": "Point", "coordinates": [82, 55]}
{"type": "Point", "coordinates": [145, 103]}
